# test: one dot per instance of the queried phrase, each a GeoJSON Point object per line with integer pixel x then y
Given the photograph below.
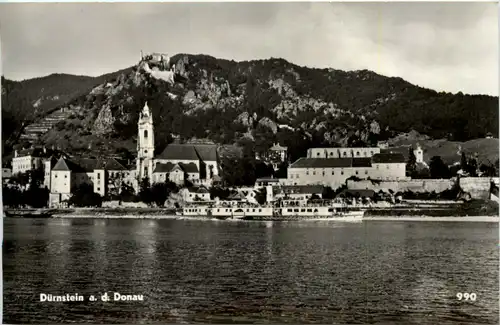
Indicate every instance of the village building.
{"type": "Point", "coordinates": [276, 155]}
{"type": "Point", "coordinates": [31, 159]}
{"type": "Point", "coordinates": [342, 152]}
{"type": "Point", "coordinates": [195, 194]}
{"type": "Point", "coordinates": [69, 173]}
{"type": "Point", "coordinates": [333, 166]}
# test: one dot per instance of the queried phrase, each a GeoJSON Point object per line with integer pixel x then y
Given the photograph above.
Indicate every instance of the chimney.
{"type": "Point", "coordinates": [15, 153]}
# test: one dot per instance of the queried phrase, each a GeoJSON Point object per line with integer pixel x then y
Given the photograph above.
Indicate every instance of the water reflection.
{"type": "Point", "coordinates": [196, 271]}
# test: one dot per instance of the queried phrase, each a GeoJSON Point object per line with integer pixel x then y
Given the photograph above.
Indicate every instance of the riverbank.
{"type": "Point", "coordinates": [459, 212]}
{"type": "Point", "coordinates": [495, 219]}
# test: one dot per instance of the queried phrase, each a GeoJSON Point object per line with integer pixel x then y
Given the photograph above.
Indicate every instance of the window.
{"type": "Point", "coordinates": [356, 172]}
{"type": "Point", "coordinates": [333, 172]}
{"type": "Point", "coordinates": [323, 173]}
{"type": "Point", "coordinates": [309, 210]}
{"type": "Point", "coordinates": [98, 189]}
{"type": "Point", "coordinates": [145, 151]}
{"type": "Point", "coordinates": [302, 210]}
{"type": "Point", "coordinates": [145, 134]}
{"type": "Point", "coordinates": [307, 172]}
{"type": "Point", "coordinates": [371, 152]}
{"type": "Point", "coordinates": [345, 153]}
{"type": "Point", "coordinates": [65, 176]}
{"type": "Point", "coordinates": [98, 176]}
{"type": "Point", "coordinates": [314, 172]}
{"type": "Point", "coordinates": [317, 154]}
{"type": "Point", "coordinates": [366, 172]}
{"type": "Point", "coordinates": [342, 172]}
{"type": "Point", "coordinates": [55, 175]}
{"type": "Point", "coordinates": [357, 153]}
{"type": "Point", "coordinates": [331, 153]}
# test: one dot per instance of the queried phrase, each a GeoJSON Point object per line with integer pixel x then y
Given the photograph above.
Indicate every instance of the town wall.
{"type": "Point", "coordinates": [477, 187]}
{"type": "Point", "coordinates": [414, 185]}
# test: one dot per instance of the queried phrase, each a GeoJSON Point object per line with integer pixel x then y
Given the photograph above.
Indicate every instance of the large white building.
{"type": "Point", "coordinates": [333, 166]}
{"type": "Point", "coordinates": [105, 175]}
{"type": "Point", "coordinates": [32, 158]}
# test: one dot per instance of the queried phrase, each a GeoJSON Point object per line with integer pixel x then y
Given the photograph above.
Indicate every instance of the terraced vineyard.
{"type": "Point", "coordinates": [34, 131]}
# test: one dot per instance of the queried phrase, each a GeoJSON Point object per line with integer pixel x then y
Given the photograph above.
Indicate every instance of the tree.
{"type": "Point", "coordinates": [84, 196]}
{"type": "Point", "coordinates": [314, 197]}
{"type": "Point", "coordinates": [159, 193]}
{"type": "Point", "coordinates": [472, 167]}
{"type": "Point", "coordinates": [261, 195]}
{"type": "Point", "coordinates": [411, 165]}
{"type": "Point", "coordinates": [12, 197]}
{"type": "Point", "coordinates": [116, 183]}
{"type": "Point", "coordinates": [127, 193]}
{"type": "Point", "coordinates": [219, 192]}
{"type": "Point", "coordinates": [463, 163]}
{"type": "Point", "coordinates": [438, 169]}
{"type": "Point", "coordinates": [282, 171]}
{"type": "Point", "coordinates": [145, 194]}
{"type": "Point", "coordinates": [328, 193]}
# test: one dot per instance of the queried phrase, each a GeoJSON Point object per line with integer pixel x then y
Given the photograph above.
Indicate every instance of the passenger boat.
{"type": "Point", "coordinates": [281, 211]}
{"type": "Point", "coordinates": [247, 212]}
{"type": "Point", "coordinates": [322, 210]}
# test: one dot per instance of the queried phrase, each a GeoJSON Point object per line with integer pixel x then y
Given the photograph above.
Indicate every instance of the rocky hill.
{"type": "Point", "coordinates": [253, 102]}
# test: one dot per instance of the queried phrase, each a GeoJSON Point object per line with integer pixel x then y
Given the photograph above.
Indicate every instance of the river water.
{"type": "Point", "coordinates": [251, 272]}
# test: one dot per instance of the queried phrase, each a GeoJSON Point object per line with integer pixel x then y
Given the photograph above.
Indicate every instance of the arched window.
{"type": "Point", "coordinates": [145, 134]}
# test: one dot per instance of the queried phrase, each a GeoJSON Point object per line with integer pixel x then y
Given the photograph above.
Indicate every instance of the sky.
{"type": "Point", "coordinates": [448, 47]}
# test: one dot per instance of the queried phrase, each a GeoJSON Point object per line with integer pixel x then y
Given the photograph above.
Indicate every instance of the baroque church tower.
{"type": "Point", "coordinates": [145, 144]}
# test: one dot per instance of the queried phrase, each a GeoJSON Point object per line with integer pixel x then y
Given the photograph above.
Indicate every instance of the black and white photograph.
{"type": "Point", "coordinates": [250, 162]}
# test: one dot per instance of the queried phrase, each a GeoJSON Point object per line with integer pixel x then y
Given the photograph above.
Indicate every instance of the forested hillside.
{"type": "Point", "coordinates": [253, 102]}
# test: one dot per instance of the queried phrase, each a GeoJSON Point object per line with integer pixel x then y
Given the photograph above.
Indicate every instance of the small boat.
{"type": "Point", "coordinates": [28, 213]}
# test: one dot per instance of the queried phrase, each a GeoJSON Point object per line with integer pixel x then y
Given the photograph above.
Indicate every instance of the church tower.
{"type": "Point", "coordinates": [145, 144]}
{"type": "Point", "coordinates": [419, 154]}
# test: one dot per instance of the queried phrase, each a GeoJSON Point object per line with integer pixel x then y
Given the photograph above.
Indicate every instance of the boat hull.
{"type": "Point", "coordinates": [275, 214]}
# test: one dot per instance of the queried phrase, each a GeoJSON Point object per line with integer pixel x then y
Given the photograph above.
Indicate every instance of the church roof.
{"type": "Point", "coordinates": [388, 158]}
{"type": "Point", "coordinates": [82, 165]}
{"type": "Point", "coordinates": [204, 152]}
{"type": "Point", "coordinates": [168, 167]}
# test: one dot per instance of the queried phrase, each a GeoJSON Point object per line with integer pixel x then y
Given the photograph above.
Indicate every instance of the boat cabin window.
{"type": "Point", "coordinates": [288, 210]}
{"type": "Point", "coordinates": [302, 210]}
{"type": "Point", "coordinates": [295, 210]}
{"type": "Point", "coordinates": [309, 210]}
{"type": "Point", "coordinates": [315, 210]}
{"type": "Point", "coordinates": [330, 210]}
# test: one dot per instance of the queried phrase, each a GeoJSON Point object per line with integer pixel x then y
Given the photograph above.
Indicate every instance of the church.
{"type": "Point", "coordinates": [180, 163]}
